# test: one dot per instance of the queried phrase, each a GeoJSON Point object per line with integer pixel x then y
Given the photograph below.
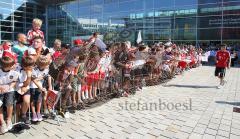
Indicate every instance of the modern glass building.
{"type": "Point", "coordinates": [182, 21]}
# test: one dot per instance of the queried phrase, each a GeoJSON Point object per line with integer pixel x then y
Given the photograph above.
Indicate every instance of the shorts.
{"type": "Point", "coordinates": [19, 97]}
{"type": "Point", "coordinates": [220, 72]}
{"type": "Point", "coordinates": [90, 78]}
{"type": "Point", "coordinates": [146, 70]}
{"type": "Point", "coordinates": [136, 72]}
{"type": "Point", "coordinates": [84, 88]}
{"type": "Point", "coordinates": [102, 75]}
{"type": "Point", "coordinates": [96, 77]}
{"type": "Point", "coordinates": [7, 98]}
{"type": "Point", "coordinates": [182, 64]}
{"type": "Point", "coordinates": [75, 85]}
{"type": "Point", "coordinates": [36, 95]}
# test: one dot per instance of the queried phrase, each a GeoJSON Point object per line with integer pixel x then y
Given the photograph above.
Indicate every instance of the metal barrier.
{"type": "Point", "coordinates": [114, 87]}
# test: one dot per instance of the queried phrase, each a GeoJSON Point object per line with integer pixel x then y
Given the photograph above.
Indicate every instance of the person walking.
{"type": "Point", "coordinates": [223, 61]}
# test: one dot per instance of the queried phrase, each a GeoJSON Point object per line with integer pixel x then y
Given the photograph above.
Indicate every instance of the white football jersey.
{"type": "Point", "coordinates": [36, 73]}
{"type": "Point", "coordinates": [8, 77]}
{"type": "Point", "coordinates": [22, 78]}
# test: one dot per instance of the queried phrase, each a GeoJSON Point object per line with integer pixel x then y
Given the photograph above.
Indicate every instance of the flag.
{"type": "Point", "coordinates": [139, 38]}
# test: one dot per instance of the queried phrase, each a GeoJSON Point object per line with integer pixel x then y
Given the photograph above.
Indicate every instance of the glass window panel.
{"type": "Point", "coordinates": [231, 8]}
{"type": "Point", "coordinates": [231, 33]}
{"type": "Point", "coordinates": [184, 34]}
{"type": "Point", "coordinates": [209, 34]}
{"type": "Point", "coordinates": [148, 34]}
{"type": "Point", "coordinates": [5, 5]}
{"type": "Point", "coordinates": [185, 23]}
{"type": "Point", "coordinates": [97, 2]}
{"type": "Point", "coordinates": [96, 9]}
{"type": "Point", "coordinates": [139, 4]}
{"type": "Point", "coordinates": [84, 3]}
{"type": "Point", "coordinates": [110, 7]}
{"type": "Point", "coordinates": [209, 21]}
{"type": "Point", "coordinates": [150, 14]}
{"type": "Point", "coordinates": [72, 5]}
{"type": "Point", "coordinates": [149, 4]}
{"type": "Point", "coordinates": [19, 2]}
{"type": "Point", "coordinates": [163, 34]}
{"type": "Point", "coordinates": [185, 2]}
{"type": "Point", "coordinates": [231, 21]}
{"type": "Point", "coordinates": [85, 11]}
{"type": "Point", "coordinates": [5, 12]}
{"type": "Point", "coordinates": [126, 6]}
{"type": "Point", "coordinates": [5, 1]}
{"type": "Point", "coordinates": [209, 1]}
{"type": "Point", "coordinates": [163, 3]}
{"type": "Point", "coordinates": [123, 1]}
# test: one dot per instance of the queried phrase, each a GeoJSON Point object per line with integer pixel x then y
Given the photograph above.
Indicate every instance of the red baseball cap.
{"type": "Point", "coordinates": [9, 54]}
{"type": "Point", "coordinates": [78, 42]}
{"type": "Point", "coordinates": [6, 47]}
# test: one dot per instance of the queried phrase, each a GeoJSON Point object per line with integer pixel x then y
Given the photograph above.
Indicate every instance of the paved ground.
{"type": "Point", "coordinates": [209, 112]}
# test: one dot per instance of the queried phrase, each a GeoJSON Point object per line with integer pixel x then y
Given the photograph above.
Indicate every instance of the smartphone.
{"type": "Point", "coordinates": [1, 103]}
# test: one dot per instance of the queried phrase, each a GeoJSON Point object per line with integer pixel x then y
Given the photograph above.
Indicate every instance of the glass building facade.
{"type": "Point", "coordinates": [182, 21]}
{"type": "Point", "coordinates": [192, 21]}
{"type": "Point", "coordinates": [16, 17]}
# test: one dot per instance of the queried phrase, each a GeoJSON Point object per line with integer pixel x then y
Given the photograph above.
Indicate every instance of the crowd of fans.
{"type": "Point", "coordinates": [83, 73]}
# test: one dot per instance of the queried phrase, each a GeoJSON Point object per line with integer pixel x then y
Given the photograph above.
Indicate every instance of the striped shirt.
{"type": "Point", "coordinates": [32, 34]}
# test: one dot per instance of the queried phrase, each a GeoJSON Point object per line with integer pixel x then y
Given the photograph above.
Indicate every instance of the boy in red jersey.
{"type": "Point", "coordinates": [35, 31]}
{"type": "Point", "coordinates": [223, 61]}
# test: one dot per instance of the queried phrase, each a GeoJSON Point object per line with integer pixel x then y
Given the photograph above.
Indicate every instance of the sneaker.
{"type": "Point", "coordinates": [46, 113]}
{"type": "Point", "coordinates": [25, 119]}
{"type": "Point", "coordinates": [86, 96]}
{"type": "Point", "coordinates": [66, 115]}
{"type": "Point", "coordinates": [219, 87]}
{"type": "Point", "coordinates": [3, 128]}
{"type": "Point", "coordinates": [125, 94]}
{"type": "Point", "coordinates": [39, 116]}
{"type": "Point", "coordinates": [224, 82]}
{"type": "Point", "coordinates": [34, 117]}
{"type": "Point", "coordinates": [62, 114]}
{"type": "Point", "coordinates": [9, 125]}
{"type": "Point", "coordinates": [91, 98]}
{"type": "Point", "coordinates": [138, 89]}
{"type": "Point", "coordinates": [83, 97]}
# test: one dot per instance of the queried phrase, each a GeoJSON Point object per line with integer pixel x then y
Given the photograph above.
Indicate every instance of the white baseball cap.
{"type": "Point", "coordinates": [31, 51]}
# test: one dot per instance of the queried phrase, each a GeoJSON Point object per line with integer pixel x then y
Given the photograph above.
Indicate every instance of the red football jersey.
{"type": "Point", "coordinates": [32, 33]}
{"type": "Point", "coordinates": [222, 59]}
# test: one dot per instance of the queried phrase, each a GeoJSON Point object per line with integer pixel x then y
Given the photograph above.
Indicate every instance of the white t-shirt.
{"type": "Point", "coordinates": [8, 77]}
{"type": "Point", "coordinates": [52, 51]}
{"type": "Point", "coordinates": [141, 56]}
{"type": "Point", "coordinates": [22, 78]}
{"type": "Point", "coordinates": [100, 43]}
{"type": "Point", "coordinates": [108, 61]}
{"type": "Point", "coordinates": [36, 73]}
{"type": "Point", "coordinates": [102, 63]}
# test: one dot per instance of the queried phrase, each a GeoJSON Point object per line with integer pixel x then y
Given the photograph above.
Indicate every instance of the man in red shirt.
{"type": "Point", "coordinates": [223, 61]}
